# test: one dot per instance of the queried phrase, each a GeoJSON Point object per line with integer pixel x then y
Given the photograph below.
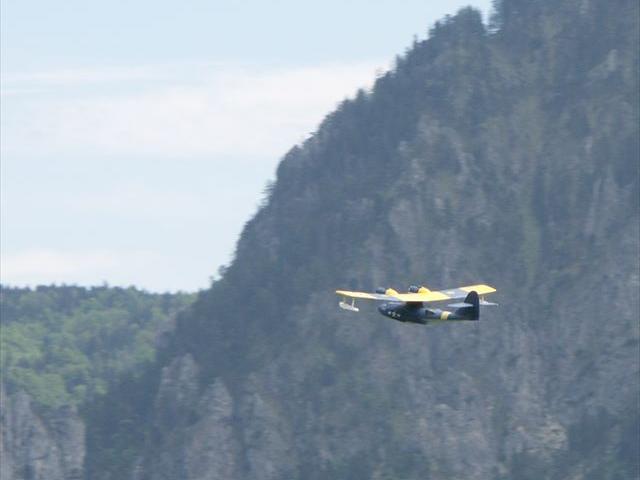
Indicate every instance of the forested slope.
{"type": "Point", "coordinates": [62, 346]}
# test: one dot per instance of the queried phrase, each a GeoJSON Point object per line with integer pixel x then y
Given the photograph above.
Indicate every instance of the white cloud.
{"type": "Point", "coordinates": [78, 76]}
{"type": "Point", "coordinates": [144, 269]}
{"type": "Point", "coordinates": [43, 266]}
{"type": "Point", "coordinates": [239, 111]}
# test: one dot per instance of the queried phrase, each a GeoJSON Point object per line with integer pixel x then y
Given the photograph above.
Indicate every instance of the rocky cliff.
{"type": "Point", "coordinates": [39, 448]}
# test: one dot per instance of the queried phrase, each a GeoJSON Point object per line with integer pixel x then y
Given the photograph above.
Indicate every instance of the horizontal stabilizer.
{"type": "Point", "coordinates": [460, 305]}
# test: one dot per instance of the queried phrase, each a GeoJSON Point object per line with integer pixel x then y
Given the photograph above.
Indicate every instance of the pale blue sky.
{"type": "Point", "coordinates": [137, 137]}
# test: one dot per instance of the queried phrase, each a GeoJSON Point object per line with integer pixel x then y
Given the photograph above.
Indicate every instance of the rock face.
{"type": "Point", "coordinates": [198, 447]}
{"type": "Point", "coordinates": [507, 156]}
{"type": "Point", "coordinates": [38, 447]}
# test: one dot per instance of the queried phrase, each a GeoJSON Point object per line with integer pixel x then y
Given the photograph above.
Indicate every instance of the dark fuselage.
{"type": "Point", "coordinates": [418, 313]}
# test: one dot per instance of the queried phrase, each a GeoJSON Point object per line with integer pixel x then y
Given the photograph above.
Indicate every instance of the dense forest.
{"type": "Point", "coordinates": [505, 153]}
{"type": "Point", "coordinates": [63, 345]}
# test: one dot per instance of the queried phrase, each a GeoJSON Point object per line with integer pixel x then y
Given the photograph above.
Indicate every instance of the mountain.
{"type": "Point", "coordinates": [505, 154]}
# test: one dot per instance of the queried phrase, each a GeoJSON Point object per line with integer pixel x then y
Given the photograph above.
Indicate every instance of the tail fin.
{"type": "Point", "coordinates": [472, 312]}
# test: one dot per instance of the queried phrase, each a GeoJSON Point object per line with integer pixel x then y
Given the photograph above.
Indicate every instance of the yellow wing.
{"type": "Point", "coordinates": [448, 294]}
{"type": "Point", "coordinates": [422, 296]}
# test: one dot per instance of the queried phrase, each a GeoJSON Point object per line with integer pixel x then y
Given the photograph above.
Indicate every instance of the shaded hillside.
{"type": "Point", "coordinates": [507, 156]}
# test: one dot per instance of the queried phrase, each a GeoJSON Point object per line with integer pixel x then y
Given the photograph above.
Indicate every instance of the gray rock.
{"type": "Point", "coordinates": [39, 446]}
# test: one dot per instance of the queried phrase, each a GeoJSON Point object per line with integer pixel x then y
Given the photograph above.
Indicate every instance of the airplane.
{"type": "Point", "coordinates": [410, 307]}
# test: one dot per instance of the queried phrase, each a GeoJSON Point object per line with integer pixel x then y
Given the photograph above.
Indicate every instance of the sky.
{"type": "Point", "coordinates": [137, 138]}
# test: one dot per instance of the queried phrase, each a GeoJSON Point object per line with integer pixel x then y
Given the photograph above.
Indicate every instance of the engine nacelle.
{"type": "Point", "coordinates": [386, 291]}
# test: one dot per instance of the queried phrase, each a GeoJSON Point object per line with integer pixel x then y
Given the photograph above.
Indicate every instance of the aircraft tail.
{"type": "Point", "coordinates": [472, 311]}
